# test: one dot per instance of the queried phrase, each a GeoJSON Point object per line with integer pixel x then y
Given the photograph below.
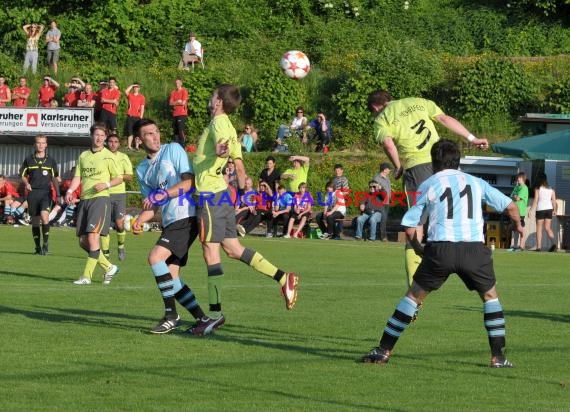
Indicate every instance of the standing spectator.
{"type": "Point", "coordinates": [87, 98]}
{"type": "Point", "coordinates": [46, 93]}
{"type": "Point", "coordinates": [292, 177]}
{"type": "Point", "coordinates": [118, 198]}
{"type": "Point", "coordinates": [217, 220]}
{"type": "Point", "coordinates": [71, 98]}
{"type": "Point", "coordinates": [544, 205]}
{"type": "Point", "coordinates": [270, 174]}
{"type": "Point", "coordinates": [39, 174]}
{"type": "Point", "coordinates": [5, 94]}
{"type": "Point", "coordinates": [135, 111]}
{"type": "Point", "coordinates": [33, 32]}
{"type": "Point", "coordinates": [455, 245]}
{"type": "Point", "coordinates": [322, 128]}
{"type": "Point", "coordinates": [248, 139]}
{"type": "Point", "coordinates": [52, 38]}
{"type": "Point", "coordinates": [334, 210]}
{"type": "Point", "coordinates": [21, 94]}
{"type": "Point", "coordinates": [406, 131]}
{"type": "Point", "coordinates": [192, 52]}
{"type": "Point", "coordinates": [97, 172]}
{"type": "Point", "coordinates": [281, 211]}
{"type": "Point", "coordinates": [339, 181]}
{"type": "Point", "coordinates": [103, 85]}
{"type": "Point", "coordinates": [383, 178]}
{"type": "Point", "coordinates": [370, 212]}
{"type": "Point", "coordinates": [179, 103]}
{"type": "Point", "coordinates": [110, 97]}
{"type": "Point", "coordinates": [302, 212]}
{"type": "Point", "coordinates": [520, 197]}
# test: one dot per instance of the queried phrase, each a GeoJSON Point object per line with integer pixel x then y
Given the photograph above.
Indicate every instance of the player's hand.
{"type": "Point", "coordinates": [482, 144]}
{"type": "Point", "coordinates": [147, 204]}
{"type": "Point", "coordinates": [137, 227]}
{"type": "Point", "coordinates": [398, 172]}
{"type": "Point", "coordinates": [520, 229]}
{"type": "Point", "coordinates": [99, 187]}
{"type": "Point", "coordinates": [222, 149]}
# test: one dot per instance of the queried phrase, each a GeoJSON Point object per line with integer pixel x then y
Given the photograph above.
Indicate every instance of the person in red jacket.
{"type": "Point", "coordinates": [46, 93]}
{"type": "Point", "coordinates": [21, 94]}
{"type": "Point", "coordinates": [179, 103]}
{"type": "Point", "coordinates": [110, 97]}
{"type": "Point", "coordinates": [5, 93]}
{"type": "Point", "coordinates": [135, 111]}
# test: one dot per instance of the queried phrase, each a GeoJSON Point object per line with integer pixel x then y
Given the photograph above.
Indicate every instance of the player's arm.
{"type": "Point", "coordinates": [144, 216]}
{"type": "Point", "coordinates": [412, 236]}
{"type": "Point", "coordinates": [392, 153]}
{"type": "Point", "coordinates": [75, 182]}
{"type": "Point", "coordinates": [457, 127]}
{"type": "Point", "coordinates": [513, 212]}
{"type": "Point", "coordinates": [240, 171]}
{"type": "Point", "coordinates": [306, 160]}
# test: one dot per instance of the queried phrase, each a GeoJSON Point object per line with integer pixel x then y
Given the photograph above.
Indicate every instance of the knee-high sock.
{"type": "Point", "coordinates": [121, 236]}
{"type": "Point", "coordinates": [105, 242]}
{"type": "Point", "coordinates": [398, 323]}
{"type": "Point", "coordinates": [186, 298]}
{"type": "Point", "coordinates": [258, 262]}
{"type": "Point", "coordinates": [215, 276]}
{"type": "Point", "coordinates": [91, 263]}
{"type": "Point", "coordinates": [36, 235]}
{"type": "Point", "coordinates": [104, 262]}
{"type": "Point", "coordinates": [45, 233]}
{"type": "Point", "coordinates": [166, 285]}
{"type": "Point", "coordinates": [412, 263]}
{"type": "Point", "coordinates": [495, 325]}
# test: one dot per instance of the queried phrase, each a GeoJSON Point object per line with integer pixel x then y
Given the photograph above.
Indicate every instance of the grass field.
{"type": "Point", "coordinates": [85, 348]}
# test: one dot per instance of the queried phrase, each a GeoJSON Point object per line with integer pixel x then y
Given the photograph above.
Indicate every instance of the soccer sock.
{"type": "Point", "coordinates": [91, 263]}
{"type": "Point", "coordinates": [19, 211]}
{"type": "Point", "coordinates": [105, 242]}
{"type": "Point", "coordinates": [258, 262]}
{"type": "Point", "coordinates": [69, 212]}
{"type": "Point", "coordinates": [412, 263]}
{"type": "Point", "coordinates": [495, 325]}
{"type": "Point", "coordinates": [186, 298]}
{"type": "Point", "coordinates": [215, 276]}
{"type": "Point", "coordinates": [121, 236]}
{"type": "Point", "coordinates": [399, 321]}
{"type": "Point", "coordinates": [104, 262]}
{"type": "Point", "coordinates": [45, 233]}
{"type": "Point", "coordinates": [165, 284]}
{"type": "Point", "coordinates": [36, 235]}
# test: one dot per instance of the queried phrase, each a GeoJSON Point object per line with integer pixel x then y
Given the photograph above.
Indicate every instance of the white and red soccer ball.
{"type": "Point", "coordinates": [295, 64]}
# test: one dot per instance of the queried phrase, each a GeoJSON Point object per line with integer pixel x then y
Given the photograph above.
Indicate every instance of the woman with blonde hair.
{"type": "Point", "coordinates": [33, 32]}
{"type": "Point", "coordinates": [544, 205]}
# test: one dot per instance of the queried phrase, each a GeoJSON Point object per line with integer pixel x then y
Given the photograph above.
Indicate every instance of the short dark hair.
{"type": "Point", "coordinates": [445, 154]}
{"type": "Point", "coordinates": [230, 96]}
{"type": "Point", "coordinates": [113, 135]}
{"type": "Point", "coordinates": [378, 98]}
{"type": "Point", "coordinates": [329, 184]}
{"type": "Point", "coordinates": [338, 166]}
{"type": "Point", "coordinates": [98, 126]}
{"type": "Point", "coordinates": [139, 124]}
{"type": "Point", "coordinates": [270, 158]}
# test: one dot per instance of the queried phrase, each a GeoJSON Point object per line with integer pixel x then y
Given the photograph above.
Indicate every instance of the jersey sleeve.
{"type": "Point", "coordinates": [24, 168]}
{"type": "Point", "coordinates": [180, 159]}
{"type": "Point", "coordinates": [413, 216]}
{"type": "Point", "coordinates": [144, 188]}
{"type": "Point", "coordinates": [433, 109]}
{"type": "Point", "coordinates": [127, 166]}
{"type": "Point", "coordinates": [494, 197]}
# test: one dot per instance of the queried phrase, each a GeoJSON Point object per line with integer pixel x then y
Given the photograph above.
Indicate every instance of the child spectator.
{"type": "Point", "coordinates": [301, 214]}
{"type": "Point", "coordinates": [281, 211]}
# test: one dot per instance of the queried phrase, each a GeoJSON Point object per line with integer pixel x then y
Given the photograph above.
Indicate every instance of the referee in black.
{"type": "Point", "coordinates": [39, 174]}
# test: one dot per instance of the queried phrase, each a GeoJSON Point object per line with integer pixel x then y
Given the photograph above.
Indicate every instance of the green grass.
{"type": "Point", "coordinates": [65, 347]}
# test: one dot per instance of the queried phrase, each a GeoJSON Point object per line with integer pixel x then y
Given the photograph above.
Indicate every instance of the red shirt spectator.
{"type": "Point", "coordinates": [7, 189]}
{"type": "Point", "coordinates": [5, 95]}
{"type": "Point", "coordinates": [87, 97]}
{"type": "Point", "coordinates": [71, 98]}
{"type": "Point", "coordinates": [45, 95]}
{"type": "Point", "coordinates": [179, 100]}
{"type": "Point", "coordinates": [136, 103]}
{"type": "Point", "coordinates": [110, 94]}
{"type": "Point", "coordinates": [21, 94]}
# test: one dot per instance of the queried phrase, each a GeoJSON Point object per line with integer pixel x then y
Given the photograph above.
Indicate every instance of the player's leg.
{"type": "Point", "coordinates": [34, 210]}
{"type": "Point", "coordinates": [494, 320]}
{"type": "Point", "coordinates": [120, 211]}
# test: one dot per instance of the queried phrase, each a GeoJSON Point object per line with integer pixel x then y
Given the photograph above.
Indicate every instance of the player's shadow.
{"type": "Point", "coordinates": [531, 314]}
{"type": "Point", "coordinates": [33, 253]}
{"type": "Point", "coordinates": [74, 315]}
{"type": "Point", "coordinates": [32, 276]}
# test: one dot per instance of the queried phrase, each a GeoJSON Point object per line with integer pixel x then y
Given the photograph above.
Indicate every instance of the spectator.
{"type": "Point", "coordinates": [298, 128]}
{"type": "Point", "coordinates": [33, 32]}
{"type": "Point", "coordinates": [301, 213]}
{"type": "Point", "coordinates": [334, 210]}
{"type": "Point", "coordinates": [179, 103]}
{"type": "Point", "coordinates": [383, 178]}
{"type": "Point", "coordinates": [322, 128]}
{"type": "Point", "coordinates": [87, 98]}
{"type": "Point", "coordinates": [46, 92]}
{"type": "Point", "coordinates": [245, 208]}
{"type": "Point", "coordinates": [11, 201]}
{"type": "Point", "coordinates": [21, 94]}
{"type": "Point", "coordinates": [5, 94]}
{"type": "Point", "coordinates": [230, 175]}
{"type": "Point", "coordinates": [53, 103]}
{"type": "Point", "coordinates": [339, 181]}
{"type": "Point", "coordinates": [110, 97]}
{"type": "Point", "coordinates": [281, 211]}
{"type": "Point", "coordinates": [292, 177]}
{"type": "Point", "coordinates": [270, 174]}
{"type": "Point", "coordinates": [544, 205]}
{"type": "Point", "coordinates": [71, 98]}
{"type": "Point", "coordinates": [370, 211]}
{"type": "Point", "coordinates": [135, 112]}
{"type": "Point", "coordinates": [98, 105]}
{"type": "Point", "coordinates": [192, 53]}
{"type": "Point", "coordinates": [52, 38]}
{"type": "Point", "coordinates": [520, 197]}
{"type": "Point", "coordinates": [248, 139]}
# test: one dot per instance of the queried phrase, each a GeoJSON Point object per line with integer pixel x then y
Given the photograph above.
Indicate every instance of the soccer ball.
{"type": "Point", "coordinates": [295, 64]}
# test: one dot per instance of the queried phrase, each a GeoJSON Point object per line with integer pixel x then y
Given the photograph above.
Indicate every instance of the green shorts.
{"type": "Point", "coordinates": [216, 218]}
{"type": "Point", "coordinates": [93, 216]}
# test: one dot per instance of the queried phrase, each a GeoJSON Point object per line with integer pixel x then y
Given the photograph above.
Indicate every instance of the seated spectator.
{"type": "Point", "coordinates": [192, 53]}
{"type": "Point", "coordinates": [334, 210]}
{"type": "Point", "coordinates": [46, 92]}
{"type": "Point", "coordinates": [252, 217]}
{"type": "Point", "coordinates": [53, 104]}
{"type": "Point", "coordinates": [230, 174]}
{"type": "Point", "coordinates": [64, 214]}
{"type": "Point", "coordinates": [339, 181]}
{"type": "Point", "coordinates": [370, 211]}
{"type": "Point", "coordinates": [322, 129]}
{"type": "Point", "coordinates": [281, 210]}
{"type": "Point", "coordinates": [301, 213]}
{"type": "Point", "coordinates": [248, 139]}
{"type": "Point", "coordinates": [14, 204]}
{"type": "Point", "coordinates": [245, 206]}
{"type": "Point", "coordinates": [297, 128]}
{"type": "Point", "coordinates": [296, 174]}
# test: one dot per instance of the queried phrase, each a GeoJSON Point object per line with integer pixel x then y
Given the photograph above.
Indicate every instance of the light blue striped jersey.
{"type": "Point", "coordinates": [453, 200]}
{"type": "Point", "coordinates": [162, 172]}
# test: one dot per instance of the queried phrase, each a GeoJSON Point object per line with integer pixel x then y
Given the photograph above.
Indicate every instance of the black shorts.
{"type": "Point", "coordinates": [544, 214]}
{"type": "Point", "coordinates": [110, 119]}
{"type": "Point", "coordinates": [470, 260]}
{"type": "Point", "coordinates": [177, 238]}
{"type": "Point", "coordinates": [39, 200]}
{"type": "Point", "coordinates": [129, 125]}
